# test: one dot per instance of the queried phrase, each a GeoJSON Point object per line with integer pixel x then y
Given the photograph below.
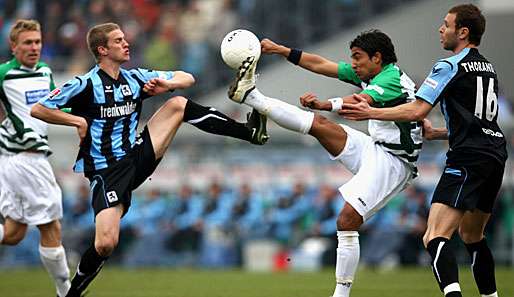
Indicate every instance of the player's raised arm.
{"type": "Point", "coordinates": [335, 104]}
{"type": "Point", "coordinates": [311, 62]}
{"type": "Point", "coordinates": [180, 80]}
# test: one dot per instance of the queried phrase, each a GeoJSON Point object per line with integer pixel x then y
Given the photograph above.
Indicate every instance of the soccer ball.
{"type": "Point", "coordinates": [238, 45]}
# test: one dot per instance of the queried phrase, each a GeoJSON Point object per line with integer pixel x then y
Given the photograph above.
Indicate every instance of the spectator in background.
{"type": "Point", "coordinates": [412, 223]}
{"type": "Point", "coordinates": [186, 212]}
{"type": "Point", "coordinates": [286, 216]}
{"type": "Point", "coordinates": [146, 223]}
{"type": "Point", "coordinates": [246, 218]}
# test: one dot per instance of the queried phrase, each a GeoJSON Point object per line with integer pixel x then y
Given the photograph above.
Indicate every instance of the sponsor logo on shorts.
{"type": "Point", "coordinates": [112, 197]}
{"type": "Point", "coordinates": [362, 201]}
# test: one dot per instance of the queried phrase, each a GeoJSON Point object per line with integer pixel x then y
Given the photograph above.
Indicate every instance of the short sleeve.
{"type": "Point", "coordinates": [385, 87]}
{"type": "Point", "coordinates": [432, 87]}
{"type": "Point", "coordinates": [61, 97]}
{"type": "Point", "coordinates": [346, 74]}
{"type": "Point", "coordinates": [146, 74]}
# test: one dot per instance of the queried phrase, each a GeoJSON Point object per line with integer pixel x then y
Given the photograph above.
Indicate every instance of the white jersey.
{"type": "Point", "coordinates": [22, 87]}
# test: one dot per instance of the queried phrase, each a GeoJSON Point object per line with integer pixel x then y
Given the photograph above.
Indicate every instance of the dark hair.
{"type": "Point", "coordinates": [374, 41]}
{"type": "Point", "coordinates": [469, 16]}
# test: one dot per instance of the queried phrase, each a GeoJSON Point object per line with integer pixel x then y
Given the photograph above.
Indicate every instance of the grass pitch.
{"type": "Point", "coordinates": [405, 282]}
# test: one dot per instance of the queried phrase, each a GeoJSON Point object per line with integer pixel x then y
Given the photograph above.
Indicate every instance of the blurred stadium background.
{"type": "Point", "coordinates": [220, 203]}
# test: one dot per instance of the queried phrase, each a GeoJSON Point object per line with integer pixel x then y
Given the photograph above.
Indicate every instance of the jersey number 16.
{"type": "Point", "coordinates": [491, 108]}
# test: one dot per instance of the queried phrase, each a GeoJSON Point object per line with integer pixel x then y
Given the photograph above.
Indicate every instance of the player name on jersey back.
{"type": "Point", "coordinates": [478, 66]}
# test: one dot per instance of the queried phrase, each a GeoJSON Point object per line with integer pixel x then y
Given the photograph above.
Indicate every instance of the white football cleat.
{"type": "Point", "coordinates": [244, 82]}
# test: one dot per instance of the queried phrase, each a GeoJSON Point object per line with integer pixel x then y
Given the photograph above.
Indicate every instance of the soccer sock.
{"type": "Point", "coordinates": [346, 261]}
{"type": "Point", "coordinates": [444, 267]}
{"type": "Point", "coordinates": [89, 266]}
{"type": "Point", "coordinates": [482, 267]}
{"type": "Point", "coordinates": [210, 120]}
{"type": "Point", "coordinates": [54, 260]}
{"type": "Point", "coordinates": [284, 114]}
{"type": "Point", "coordinates": [1, 233]}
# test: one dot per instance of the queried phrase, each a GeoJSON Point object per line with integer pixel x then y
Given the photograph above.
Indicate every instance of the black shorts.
{"type": "Point", "coordinates": [469, 185]}
{"type": "Point", "coordinates": [114, 184]}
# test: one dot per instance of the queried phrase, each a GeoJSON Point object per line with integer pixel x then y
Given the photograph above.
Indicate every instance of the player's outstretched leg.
{"type": "Point", "coordinates": [329, 134]}
{"type": "Point", "coordinates": [210, 120]}
{"type": "Point", "coordinates": [243, 90]}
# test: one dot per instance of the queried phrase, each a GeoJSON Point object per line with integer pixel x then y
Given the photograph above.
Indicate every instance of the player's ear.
{"type": "Point", "coordinates": [102, 50]}
{"type": "Point", "coordinates": [463, 33]}
{"type": "Point", "coordinates": [377, 58]}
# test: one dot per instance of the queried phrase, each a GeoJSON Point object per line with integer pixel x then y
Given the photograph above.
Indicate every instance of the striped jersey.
{"type": "Point", "coordinates": [22, 87]}
{"type": "Point", "coordinates": [111, 108]}
{"type": "Point", "coordinates": [389, 88]}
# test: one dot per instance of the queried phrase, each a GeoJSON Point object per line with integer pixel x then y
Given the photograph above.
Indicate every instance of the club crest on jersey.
{"type": "Point", "coordinates": [125, 90]}
{"type": "Point", "coordinates": [54, 93]}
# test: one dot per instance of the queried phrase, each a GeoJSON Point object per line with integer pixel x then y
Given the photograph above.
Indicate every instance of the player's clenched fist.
{"type": "Point", "coordinates": [310, 100]}
{"type": "Point", "coordinates": [270, 47]}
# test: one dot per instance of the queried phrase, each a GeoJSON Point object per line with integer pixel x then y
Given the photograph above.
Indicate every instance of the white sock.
{"type": "Point", "coordinates": [284, 114]}
{"type": "Point", "coordinates": [1, 233]}
{"type": "Point", "coordinates": [348, 252]}
{"type": "Point", "coordinates": [54, 260]}
{"type": "Point", "coordinates": [495, 294]}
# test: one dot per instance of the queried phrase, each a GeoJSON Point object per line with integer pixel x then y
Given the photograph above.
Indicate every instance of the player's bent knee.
{"type": "Point", "coordinates": [176, 104]}
{"type": "Point", "coordinates": [106, 246]}
{"type": "Point", "coordinates": [349, 219]}
{"type": "Point", "coordinates": [319, 124]}
{"type": "Point", "coordinates": [14, 238]}
{"type": "Point", "coordinates": [470, 236]}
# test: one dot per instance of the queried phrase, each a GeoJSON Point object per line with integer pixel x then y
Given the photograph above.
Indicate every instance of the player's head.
{"type": "Point", "coordinates": [25, 41]}
{"type": "Point", "coordinates": [464, 24]}
{"type": "Point", "coordinates": [107, 41]}
{"type": "Point", "coordinates": [371, 50]}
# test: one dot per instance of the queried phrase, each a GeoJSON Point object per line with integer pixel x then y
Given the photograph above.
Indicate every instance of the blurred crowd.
{"type": "Point", "coordinates": [178, 34]}
{"type": "Point", "coordinates": [212, 227]}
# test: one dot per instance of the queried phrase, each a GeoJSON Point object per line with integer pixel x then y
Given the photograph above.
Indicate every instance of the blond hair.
{"type": "Point", "coordinates": [97, 36]}
{"type": "Point", "coordinates": [23, 25]}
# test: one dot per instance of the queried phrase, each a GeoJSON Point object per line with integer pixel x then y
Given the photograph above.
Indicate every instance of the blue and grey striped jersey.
{"type": "Point", "coordinates": [111, 108]}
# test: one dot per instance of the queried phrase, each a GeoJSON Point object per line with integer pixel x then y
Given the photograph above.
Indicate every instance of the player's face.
{"type": "Point", "coordinates": [364, 66]}
{"type": "Point", "coordinates": [27, 48]}
{"type": "Point", "coordinates": [117, 47]}
{"type": "Point", "coordinates": [448, 33]}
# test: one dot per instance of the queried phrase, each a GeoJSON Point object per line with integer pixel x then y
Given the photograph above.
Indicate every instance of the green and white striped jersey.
{"type": "Point", "coordinates": [22, 87]}
{"type": "Point", "coordinates": [390, 87]}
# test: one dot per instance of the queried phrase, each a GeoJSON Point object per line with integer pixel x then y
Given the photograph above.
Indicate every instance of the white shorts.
{"type": "Point", "coordinates": [29, 193]}
{"type": "Point", "coordinates": [378, 174]}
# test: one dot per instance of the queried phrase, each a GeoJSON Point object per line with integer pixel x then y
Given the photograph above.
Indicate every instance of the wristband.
{"type": "Point", "coordinates": [294, 56]}
{"type": "Point", "coordinates": [337, 103]}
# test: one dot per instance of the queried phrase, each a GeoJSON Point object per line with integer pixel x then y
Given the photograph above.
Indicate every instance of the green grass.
{"type": "Point", "coordinates": [234, 283]}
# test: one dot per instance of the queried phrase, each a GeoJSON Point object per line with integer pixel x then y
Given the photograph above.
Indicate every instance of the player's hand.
{"type": "Point", "coordinates": [82, 129]}
{"type": "Point", "coordinates": [358, 111]}
{"type": "Point", "coordinates": [156, 86]}
{"type": "Point", "coordinates": [428, 129]}
{"type": "Point", "coordinates": [270, 47]}
{"type": "Point", "coordinates": [311, 101]}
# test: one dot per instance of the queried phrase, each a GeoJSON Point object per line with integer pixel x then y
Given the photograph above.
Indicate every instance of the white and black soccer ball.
{"type": "Point", "coordinates": [238, 45]}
